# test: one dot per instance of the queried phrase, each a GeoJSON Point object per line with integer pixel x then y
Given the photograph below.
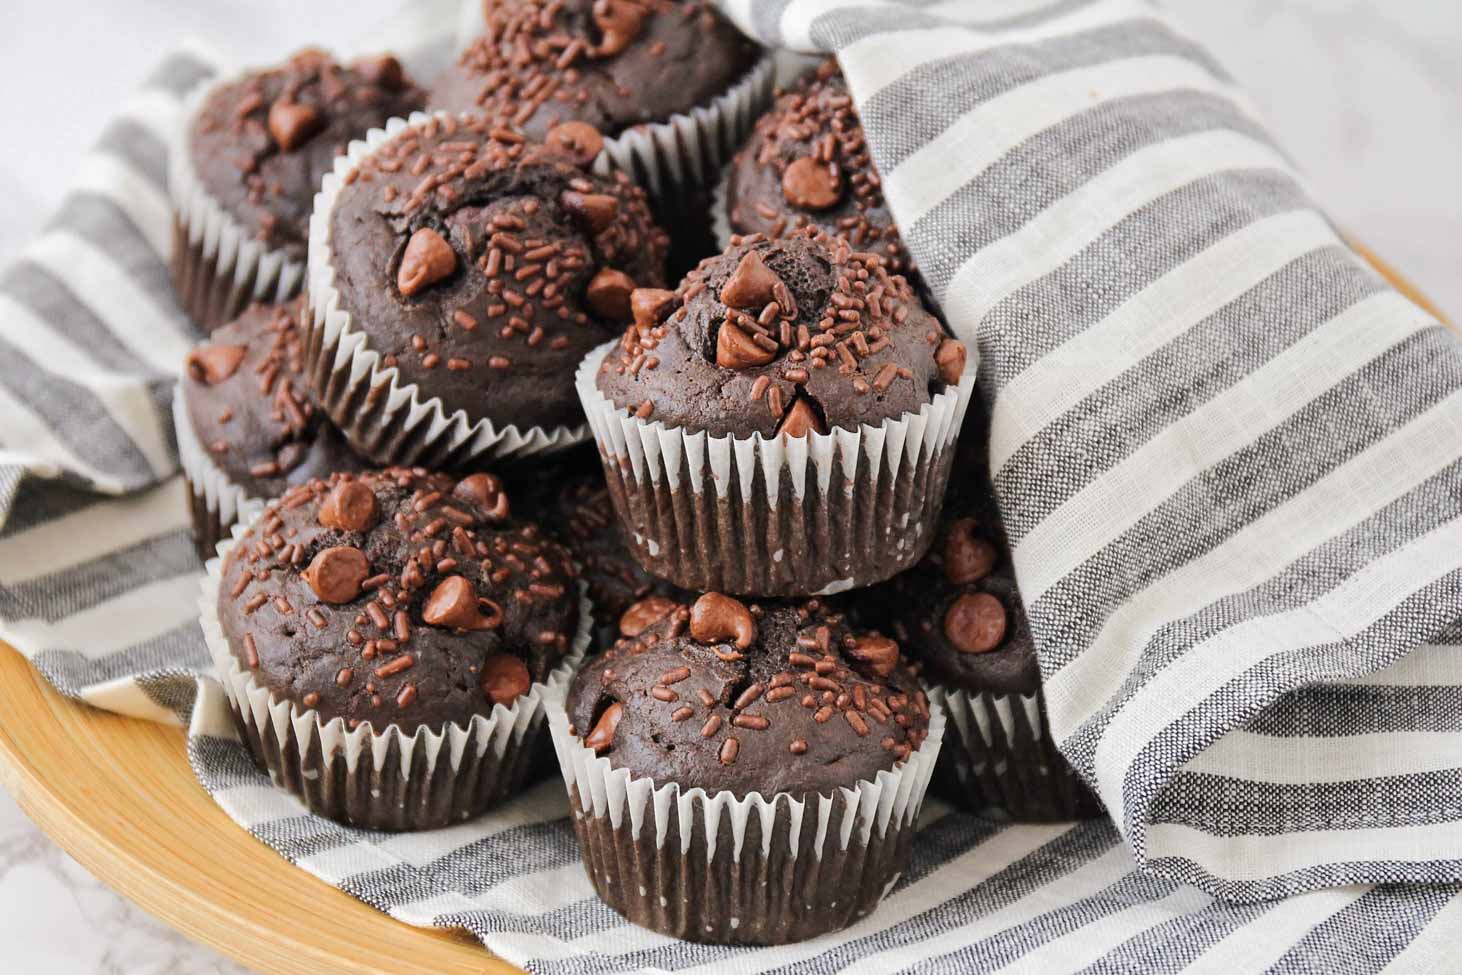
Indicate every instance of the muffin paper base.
{"type": "Point", "coordinates": [384, 418]}
{"type": "Point", "coordinates": [999, 755]}
{"type": "Point", "coordinates": [722, 870]}
{"type": "Point", "coordinates": [690, 149]}
{"type": "Point", "coordinates": [218, 268]}
{"type": "Point", "coordinates": [720, 212]}
{"type": "Point", "coordinates": [385, 780]}
{"type": "Point", "coordinates": [215, 501]}
{"type": "Point", "coordinates": [785, 516]}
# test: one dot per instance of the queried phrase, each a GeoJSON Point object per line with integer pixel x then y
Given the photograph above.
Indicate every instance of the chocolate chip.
{"type": "Point", "coordinates": [428, 259]}
{"type": "Point", "coordinates": [335, 574]}
{"type": "Point", "coordinates": [596, 211]}
{"type": "Point", "coordinates": [968, 558]}
{"type": "Point", "coordinates": [736, 350]}
{"type": "Point", "coordinates": [212, 364]}
{"type": "Point", "coordinates": [975, 623]}
{"type": "Point", "coordinates": [601, 738]}
{"type": "Point", "coordinates": [619, 23]}
{"type": "Point", "coordinates": [580, 140]}
{"type": "Point", "coordinates": [875, 655]}
{"type": "Point", "coordinates": [291, 124]}
{"type": "Point", "coordinates": [383, 70]}
{"type": "Point", "coordinates": [649, 305]}
{"type": "Point", "coordinates": [505, 678]}
{"type": "Point", "coordinates": [454, 603]}
{"type": "Point", "coordinates": [716, 618]}
{"type": "Point", "coordinates": [811, 184]}
{"type": "Point", "coordinates": [950, 358]}
{"type": "Point", "coordinates": [350, 506]}
{"type": "Point", "coordinates": [640, 616]}
{"type": "Point", "coordinates": [801, 420]}
{"type": "Point", "coordinates": [751, 285]}
{"type": "Point", "coordinates": [608, 294]}
{"type": "Point", "coordinates": [485, 493]}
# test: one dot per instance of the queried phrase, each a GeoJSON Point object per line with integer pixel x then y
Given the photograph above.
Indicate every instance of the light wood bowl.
{"type": "Point", "coordinates": [118, 795]}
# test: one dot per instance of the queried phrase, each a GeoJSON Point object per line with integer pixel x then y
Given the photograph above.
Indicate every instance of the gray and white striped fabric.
{"type": "Point", "coordinates": [1226, 452]}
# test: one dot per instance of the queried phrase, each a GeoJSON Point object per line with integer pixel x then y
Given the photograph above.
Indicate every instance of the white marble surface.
{"type": "Point", "coordinates": [1364, 94]}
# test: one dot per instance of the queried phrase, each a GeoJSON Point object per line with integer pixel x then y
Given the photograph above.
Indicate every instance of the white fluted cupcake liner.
{"type": "Point", "coordinates": [215, 501]}
{"type": "Point", "coordinates": [1000, 756]}
{"type": "Point", "coordinates": [383, 417]}
{"type": "Point", "coordinates": [690, 149]}
{"type": "Point", "coordinates": [757, 870]}
{"type": "Point", "coordinates": [218, 267]}
{"type": "Point", "coordinates": [720, 214]}
{"type": "Point", "coordinates": [779, 516]}
{"type": "Point", "coordinates": [385, 779]}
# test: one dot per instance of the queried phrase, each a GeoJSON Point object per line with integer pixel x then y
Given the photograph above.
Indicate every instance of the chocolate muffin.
{"type": "Point", "coordinates": [612, 64]}
{"type": "Point", "coordinates": [807, 165]}
{"type": "Point", "coordinates": [959, 616]}
{"type": "Point", "coordinates": [248, 427]}
{"type": "Point", "coordinates": [671, 84]}
{"type": "Point", "coordinates": [798, 334]}
{"type": "Point", "coordinates": [796, 348]}
{"type": "Point", "coordinates": [394, 606]}
{"type": "Point", "coordinates": [244, 185]}
{"type": "Point", "coordinates": [466, 272]}
{"type": "Point", "coordinates": [781, 707]}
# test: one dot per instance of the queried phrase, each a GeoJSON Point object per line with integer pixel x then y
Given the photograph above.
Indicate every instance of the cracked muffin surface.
{"type": "Point", "coordinates": [800, 334]}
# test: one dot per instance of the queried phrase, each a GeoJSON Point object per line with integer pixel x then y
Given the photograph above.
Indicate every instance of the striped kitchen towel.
{"type": "Point", "coordinates": [1226, 452]}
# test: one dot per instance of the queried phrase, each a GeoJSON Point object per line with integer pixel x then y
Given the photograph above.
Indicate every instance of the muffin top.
{"type": "Point", "coordinates": [260, 144]}
{"type": "Point", "coordinates": [250, 407]}
{"type": "Point", "coordinates": [768, 698]}
{"type": "Point", "coordinates": [484, 267]}
{"type": "Point", "coordinates": [795, 335]}
{"type": "Point", "coordinates": [397, 597]}
{"type": "Point", "coordinates": [959, 615]}
{"type": "Point", "coordinates": [806, 164]}
{"type": "Point", "coordinates": [610, 63]}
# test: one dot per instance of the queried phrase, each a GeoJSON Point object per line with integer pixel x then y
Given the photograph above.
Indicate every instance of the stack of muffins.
{"type": "Point", "coordinates": [423, 304]}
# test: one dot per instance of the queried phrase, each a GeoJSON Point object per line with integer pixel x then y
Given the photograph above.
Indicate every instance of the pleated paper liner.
{"type": "Point", "coordinates": [383, 417]}
{"type": "Point", "coordinates": [722, 870]}
{"type": "Point", "coordinates": [678, 161]}
{"type": "Point", "coordinates": [218, 267]}
{"type": "Point", "coordinates": [690, 149]}
{"type": "Point", "coordinates": [215, 501]}
{"type": "Point", "coordinates": [999, 755]}
{"type": "Point", "coordinates": [386, 780]}
{"type": "Point", "coordinates": [780, 516]}
{"type": "Point", "coordinates": [720, 212]}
